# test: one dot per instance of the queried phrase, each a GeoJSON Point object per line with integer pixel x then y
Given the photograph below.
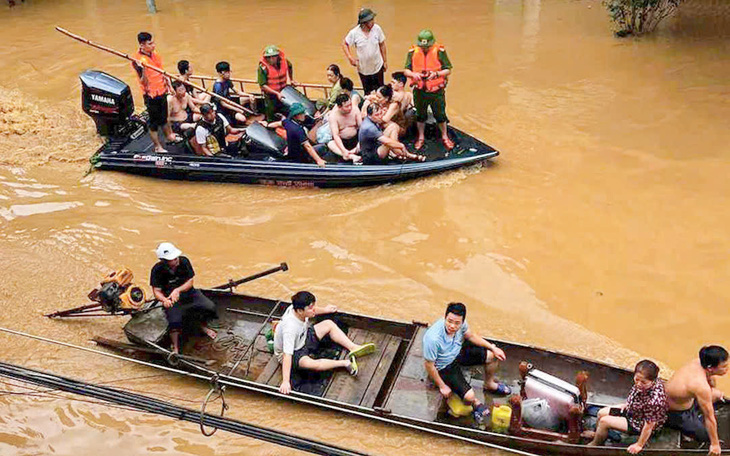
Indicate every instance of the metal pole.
{"type": "Point", "coordinates": [151, 7]}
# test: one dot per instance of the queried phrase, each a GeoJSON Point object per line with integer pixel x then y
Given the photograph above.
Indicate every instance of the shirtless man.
{"type": "Point", "coordinates": [344, 124]}
{"type": "Point", "coordinates": [186, 71]}
{"type": "Point", "coordinates": [182, 111]}
{"type": "Point", "coordinates": [691, 393]}
{"type": "Point", "coordinates": [402, 101]}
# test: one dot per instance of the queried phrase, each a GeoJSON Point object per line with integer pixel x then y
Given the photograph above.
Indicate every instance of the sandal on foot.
{"type": "Point", "coordinates": [352, 368]}
{"type": "Point", "coordinates": [362, 351]}
{"type": "Point", "coordinates": [501, 390]}
{"type": "Point", "coordinates": [418, 145]}
{"type": "Point", "coordinates": [448, 143]}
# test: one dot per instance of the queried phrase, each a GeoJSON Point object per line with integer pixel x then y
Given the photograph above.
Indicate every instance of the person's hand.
{"type": "Point", "coordinates": [416, 77]}
{"type": "Point", "coordinates": [635, 448]}
{"type": "Point", "coordinates": [385, 66]}
{"type": "Point", "coordinates": [294, 83]}
{"type": "Point", "coordinates": [175, 295]}
{"type": "Point", "coordinates": [166, 303]}
{"type": "Point", "coordinates": [715, 450]}
{"type": "Point", "coordinates": [499, 353]}
{"type": "Point", "coordinates": [279, 96]}
{"type": "Point", "coordinates": [330, 309]}
{"type": "Point", "coordinates": [433, 74]}
{"type": "Point", "coordinates": [354, 61]}
{"type": "Point", "coordinates": [285, 388]}
{"type": "Point", "coordinates": [321, 163]}
{"type": "Point", "coordinates": [445, 391]}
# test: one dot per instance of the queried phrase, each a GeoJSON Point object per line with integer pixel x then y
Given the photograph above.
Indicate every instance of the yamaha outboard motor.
{"type": "Point", "coordinates": [108, 101]}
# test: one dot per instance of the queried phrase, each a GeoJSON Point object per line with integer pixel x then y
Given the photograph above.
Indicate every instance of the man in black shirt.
{"type": "Point", "coordinates": [172, 284]}
{"type": "Point", "coordinates": [299, 147]}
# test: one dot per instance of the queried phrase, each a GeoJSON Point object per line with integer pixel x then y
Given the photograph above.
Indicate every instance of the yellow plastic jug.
{"type": "Point", "coordinates": [500, 418]}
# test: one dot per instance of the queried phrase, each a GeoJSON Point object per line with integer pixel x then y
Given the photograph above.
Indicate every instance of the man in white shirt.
{"type": "Point", "coordinates": [370, 56]}
{"type": "Point", "coordinates": [296, 340]}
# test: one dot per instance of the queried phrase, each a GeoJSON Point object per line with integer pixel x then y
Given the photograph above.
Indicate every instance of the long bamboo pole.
{"type": "Point", "coordinates": [235, 105]}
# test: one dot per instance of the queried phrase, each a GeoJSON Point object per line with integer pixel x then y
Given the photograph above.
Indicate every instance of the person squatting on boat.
{"type": "Point", "coordinates": [223, 86]}
{"type": "Point", "coordinates": [210, 134]}
{"type": "Point", "coordinates": [428, 66]}
{"type": "Point", "coordinates": [692, 393]}
{"type": "Point", "coordinates": [275, 72]}
{"type": "Point", "coordinates": [450, 344]}
{"type": "Point", "coordinates": [370, 54]}
{"type": "Point", "coordinates": [297, 340]}
{"type": "Point", "coordinates": [643, 414]}
{"type": "Point", "coordinates": [299, 147]}
{"type": "Point", "coordinates": [154, 86]}
{"type": "Point", "coordinates": [181, 110]}
{"type": "Point", "coordinates": [377, 144]}
{"type": "Point", "coordinates": [171, 280]}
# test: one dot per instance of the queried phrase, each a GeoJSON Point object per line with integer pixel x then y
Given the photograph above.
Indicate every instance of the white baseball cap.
{"type": "Point", "coordinates": [167, 251]}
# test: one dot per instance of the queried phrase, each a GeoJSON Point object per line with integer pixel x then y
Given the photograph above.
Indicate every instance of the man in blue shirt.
{"type": "Point", "coordinates": [223, 86]}
{"type": "Point", "coordinates": [448, 345]}
{"type": "Point", "coordinates": [299, 147]}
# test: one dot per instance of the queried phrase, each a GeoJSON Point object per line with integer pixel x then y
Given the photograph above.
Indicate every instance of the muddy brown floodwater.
{"type": "Point", "coordinates": [601, 230]}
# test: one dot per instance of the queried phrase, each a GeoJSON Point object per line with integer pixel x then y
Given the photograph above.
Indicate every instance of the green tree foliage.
{"type": "Point", "coordinates": [636, 17]}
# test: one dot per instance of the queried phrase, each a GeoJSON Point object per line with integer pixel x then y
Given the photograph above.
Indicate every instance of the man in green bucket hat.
{"type": "Point", "coordinates": [428, 67]}
{"type": "Point", "coordinates": [274, 73]}
{"type": "Point", "coordinates": [369, 55]}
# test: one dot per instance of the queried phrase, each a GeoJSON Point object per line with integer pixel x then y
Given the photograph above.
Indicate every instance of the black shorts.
{"type": "Point", "coordinates": [630, 429]}
{"type": "Point", "coordinates": [175, 125]}
{"type": "Point", "coordinates": [311, 347]}
{"type": "Point", "coordinates": [689, 422]}
{"type": "Point", "coordinates": [349, 143]}
{"type": "Point", "coordinates": [157, 110]}
{"type": "Point", "coordinates": [452, 375]}
{"type": "Point", "coordinates": [372, 82]}
{"type": "Point", "coordinates": [192, 305]}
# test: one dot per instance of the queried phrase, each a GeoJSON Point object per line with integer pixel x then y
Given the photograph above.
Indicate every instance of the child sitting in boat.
{"type": "Point", "coordinates": [644, 412]}
{"type": "Point", "coordinates": [448, 345]}
{"type": "Point", "coordinates": [297, 340]}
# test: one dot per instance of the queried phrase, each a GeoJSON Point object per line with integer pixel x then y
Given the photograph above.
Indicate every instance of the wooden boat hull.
{"type": "Point", "coordinates": [392, 385]}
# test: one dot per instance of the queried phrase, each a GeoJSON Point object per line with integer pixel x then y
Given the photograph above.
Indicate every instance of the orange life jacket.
{"type": "Point", "coordinates": [156, 83]}
{"type": "Point", "coordinates": [421, 62]}
{"type": "Point", "coordinates": [276, 77]}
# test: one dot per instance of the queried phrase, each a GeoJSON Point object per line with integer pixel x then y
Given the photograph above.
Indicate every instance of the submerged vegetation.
{"type": "Point", "coordinates": [636, 17]}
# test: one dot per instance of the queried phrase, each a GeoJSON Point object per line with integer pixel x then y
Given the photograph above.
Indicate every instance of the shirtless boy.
{"type": "Point", "coordinates": [402, 101]}
{"type": "Point", "coordinates": [692, 393]}
{"type": "Point", "coordinates": [344, 123]}
{"type": "Point", "coordinates": [182, 112]}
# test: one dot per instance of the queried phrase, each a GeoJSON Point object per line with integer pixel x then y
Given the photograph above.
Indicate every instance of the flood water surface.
{"type": "Point", "coordinates": [601, 229]}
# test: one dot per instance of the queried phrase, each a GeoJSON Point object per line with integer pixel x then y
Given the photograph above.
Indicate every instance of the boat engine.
{"type": "Point", "coordinates": [108, 101]}
{"type": "Point", "coordinates": [117, 293]}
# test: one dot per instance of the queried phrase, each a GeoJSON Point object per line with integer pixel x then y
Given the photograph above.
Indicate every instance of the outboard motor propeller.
{"type": "Point", "coordinates": [108, 101]}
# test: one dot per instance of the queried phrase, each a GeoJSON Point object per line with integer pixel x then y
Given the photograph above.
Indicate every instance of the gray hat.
{"type": "Point", "coordinates": [365, 14]}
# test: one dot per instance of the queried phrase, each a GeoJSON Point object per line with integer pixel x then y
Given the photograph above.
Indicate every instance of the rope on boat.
{"type": "Point", "coordinates": [359, 411]}
{"type": "Point", "coordinates": [152, 405]}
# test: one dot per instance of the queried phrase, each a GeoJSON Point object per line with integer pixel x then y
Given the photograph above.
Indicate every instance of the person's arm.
{"type": "Point", "coordinates": [384, 53]}
{"type": "Point", "coordinates": [285, 387]}
{"type": "Point", "coordinates": [169, 105]}
{"type": "Point", "coordinates": [191, 104]}
{"type": "Point", "coordinates": [273, 125]}
{"type": "Point", "coordinates": [291, 72]}
{"type": "Point", "coordinates": [434, 374]}
{"type": "Point", "coordinates": [392, 143]}
{"type": "Point", "coordinates": [415, 77]}
{"type": "Point", "coordinates": [199, 143]}
{"type": "Point", "coordinates": [160, 296]}
{"type": "Point", "coordinates": [313, 153]}
{"type": "Point", "coordinates": [482, 342]}
{"type": "Point", "coordinates": [325, 310]}
{"type": "Point", "coordinates": [234, 131]}
{"type": "Point", "coordinates": [646, 431]}
{"type": "Point", "coordinates": [391, 111]}
{"type": "Point", "coordinates": [335, 129]}
{"type": "Point", "coordinates": [445, 66]}
{"type": "Point", "coordinates": [175, 294]}
{"type": "Point", "coordinates": [704, 399]}
{"type": "Point", "coordinates": [348, 53]}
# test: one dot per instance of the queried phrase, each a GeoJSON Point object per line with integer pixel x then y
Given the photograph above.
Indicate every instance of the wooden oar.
{"type": "Point", "coordinates": [235, 106]}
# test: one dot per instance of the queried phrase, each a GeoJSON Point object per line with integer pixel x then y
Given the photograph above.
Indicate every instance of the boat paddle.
{"type": "Point", "coordinates": [233, 105]}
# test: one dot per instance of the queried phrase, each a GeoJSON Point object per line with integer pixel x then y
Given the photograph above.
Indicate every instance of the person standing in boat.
{"type": "Point", "coordinates": [428, 66]}
{"type": "Point", "coordinates": [154, 86]}
{"type": "Point", "coordinates": [450, 344]}
{"type": "Point", "coordinates": [274, 73]}
{"type": "Point", "coordinates": [643, 414]}
{"type": "Point", "coordinates": [297, 340]}
{"type": "Point", "coordinates": [370, 55]}
{"type": "Point", "coordinates": [692, 393]}
{"type": "Point", "coordinates": [171, 280]}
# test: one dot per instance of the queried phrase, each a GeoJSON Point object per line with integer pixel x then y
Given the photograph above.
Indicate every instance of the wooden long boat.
{"type": "Point", "coordinates": [392, 385]}
{"type": "Point", "coordinates": [129, 149]}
